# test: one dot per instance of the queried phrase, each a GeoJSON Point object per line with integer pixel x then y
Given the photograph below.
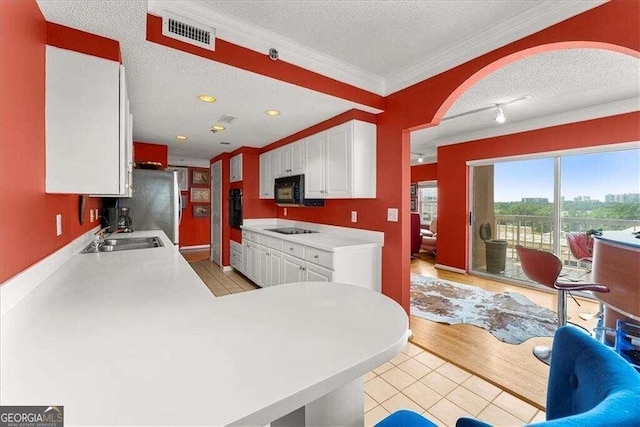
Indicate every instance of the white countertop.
{"type": "Point", "coordinates": [328, 238]}
{"type": "Point", "coordinates": [135, 338]}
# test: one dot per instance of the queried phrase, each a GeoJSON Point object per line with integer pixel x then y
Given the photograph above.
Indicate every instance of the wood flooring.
{"type": "Point", "coordinates": [510, 367]}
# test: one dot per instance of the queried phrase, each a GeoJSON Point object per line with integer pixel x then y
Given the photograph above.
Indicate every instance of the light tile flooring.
{"type": "Point", "coordinates": [415, 379]}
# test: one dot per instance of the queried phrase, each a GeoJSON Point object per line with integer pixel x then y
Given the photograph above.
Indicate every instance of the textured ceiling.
{"type": "Point", "coordinates": [381, 37]}
{"type": "Point", "coordinates": [560, 82]}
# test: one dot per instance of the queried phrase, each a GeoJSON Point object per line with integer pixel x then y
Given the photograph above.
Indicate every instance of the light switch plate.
{"type": "Point", "coordinates": [392, 214]}
{"type": "Point", "coordinates": [354, 216]}
{"type": "Point", "coordinates": [58, 224]}
{"type": "Point", "coordinates": [90, 215]}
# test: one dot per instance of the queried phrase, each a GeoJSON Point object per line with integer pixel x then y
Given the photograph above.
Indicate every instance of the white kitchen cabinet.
{"type": "Point", "coordinates": [341, 162]}
{"type": "Point", "coordinates": [291, 159]}
{"type": "Point", "coordinates": [263, 276]}
{"type": "Point", "coordinates": [236, 255]}
{"type": "Point", "coordinates": [315, 273]}
{"type": "Point", "coordinates": [276, 274]}
{"type": "Point", "coordinates": [251, 260]}
{"type": "Point", "coordinates": [235, 168]}
{"type": "Point", "coordinates": [292, 269]}
{"type": "Point", "coordinates": [268, 172]}
{"type": "Point", "coordinates": [89, 144]}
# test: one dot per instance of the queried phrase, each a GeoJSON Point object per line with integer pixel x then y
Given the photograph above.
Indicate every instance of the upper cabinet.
{"type": "Point", "coordinates": [235, 168]}
{"type": "Point", "coordinates": [338, 163]}
{"type": "Point", "coordinates": [89, 144]}
{"type": "Point", "coordinates": [341, 162]}
{"type": "Point", "coordinates": [268, 171]}
{"type": "Point", "coordinates": [291, 159]}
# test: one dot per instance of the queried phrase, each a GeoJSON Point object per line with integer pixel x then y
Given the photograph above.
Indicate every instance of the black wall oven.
{"type": "Point", "coordinates": [235, 207]}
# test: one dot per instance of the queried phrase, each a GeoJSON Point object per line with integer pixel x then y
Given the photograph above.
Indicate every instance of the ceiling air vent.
{"type": "Point", "coordinates": [227, 119]}
{"type": "Point", "coordinates": [188, 31]}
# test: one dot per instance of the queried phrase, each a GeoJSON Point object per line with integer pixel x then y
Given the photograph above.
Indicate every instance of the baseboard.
{"type": "Point", "coordinates": [19, 286]}
{"type": "Point", "coordinates": [452, 269]}
{"type": "Point", "coordinates": [194, 248]}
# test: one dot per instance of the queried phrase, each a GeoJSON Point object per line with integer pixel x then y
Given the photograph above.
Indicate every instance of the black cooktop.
{"type": "Point", "coordinates": [291, 230]}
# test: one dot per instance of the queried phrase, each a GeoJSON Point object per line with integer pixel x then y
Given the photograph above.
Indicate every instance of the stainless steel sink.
{"type": "Point", "coordinates": [123, 244]}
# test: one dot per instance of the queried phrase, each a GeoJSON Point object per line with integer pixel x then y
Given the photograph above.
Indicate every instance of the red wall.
{"type": "Point", "coordinates": [453, 184]}
{"type": "Point", "coordinates": [194, 231]}
{"type": "Point", "coordinates": [427, 172]}
{"type": "Point", "coordinates": [146, 152]}
{"type": "Point", "coordinates": [27, 225]}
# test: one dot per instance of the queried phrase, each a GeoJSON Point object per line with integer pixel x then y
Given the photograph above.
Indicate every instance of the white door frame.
{"type": "Point", "coordinates": [217, 165]}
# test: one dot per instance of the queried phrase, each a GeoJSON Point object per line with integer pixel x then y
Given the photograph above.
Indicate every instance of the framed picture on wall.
{"type": "Point", "coordinates": [199, 177]}
{"type": "Point", "coordinates": [199, 195]}
{"type": "Point", "coordinates": [183, 201]}
{"type": "Point", "coordinates": [183, 177]}
{"type": "Point", "coordinates": [414, 190]}
{"type": "Point", "coordinates": [200, 211]}
{"type": "Point", "coordinates": [414, 204]}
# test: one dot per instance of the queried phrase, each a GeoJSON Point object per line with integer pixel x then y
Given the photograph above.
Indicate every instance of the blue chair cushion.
{"type": "Point", "coordinates": [405, 418]}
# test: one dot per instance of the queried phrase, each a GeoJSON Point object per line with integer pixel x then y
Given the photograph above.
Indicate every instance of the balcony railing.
{"type": "Point", "coordinates": [537, 231]}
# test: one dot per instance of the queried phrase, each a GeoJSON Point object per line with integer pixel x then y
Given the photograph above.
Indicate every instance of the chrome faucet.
{"type": "Point", "coordinates": [98, 237]}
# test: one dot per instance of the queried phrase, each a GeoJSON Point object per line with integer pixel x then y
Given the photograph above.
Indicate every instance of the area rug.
{"type": "Point", "coordinates": [510, 317]}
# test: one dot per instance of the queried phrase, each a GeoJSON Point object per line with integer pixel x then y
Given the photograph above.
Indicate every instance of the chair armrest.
{"type": "Point", "coordinates": [426, 233]}
{"type": "Point", "coordinates": [573, 286]}
{"type": "Point", "coordinates": [471, 422]}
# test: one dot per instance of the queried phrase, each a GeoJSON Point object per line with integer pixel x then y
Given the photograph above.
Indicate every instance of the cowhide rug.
{"type": "Point", "coordinates": [510, 317]}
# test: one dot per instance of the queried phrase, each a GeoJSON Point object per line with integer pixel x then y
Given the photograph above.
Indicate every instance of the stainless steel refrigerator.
{"type": "Point", "coordinates": [155, 203]}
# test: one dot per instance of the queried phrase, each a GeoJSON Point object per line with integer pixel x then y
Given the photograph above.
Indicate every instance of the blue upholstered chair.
{"type": "Point", "coordinates": [589, 385]}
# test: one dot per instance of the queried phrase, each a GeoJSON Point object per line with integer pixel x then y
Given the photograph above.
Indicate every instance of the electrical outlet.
{"type": "Point", "coordinates": [285, 211]}
{"type": "Point", "coordinates": [392, 214]}
{"type": "Point", "coordinates": [90, 215]}
{"type": "Point", "coordinates": [354, 216]}
{"type": "Point", "coordinates": [97, 216]}
{"type": "Point", "coordinates": [58, 224]}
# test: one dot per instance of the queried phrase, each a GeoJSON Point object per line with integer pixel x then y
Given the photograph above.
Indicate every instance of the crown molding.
{"type": "Point", "coordinates": [542, 15]}
{"type": "Point", "coordinates": [573, 116]}
{"type": "Point", "coordinates": [250, 36]}
{"type": "Point", "coordinates": [182, 161]}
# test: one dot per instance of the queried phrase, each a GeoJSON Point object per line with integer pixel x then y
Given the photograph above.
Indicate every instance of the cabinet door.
{"type": "Point", "coordinates": [83, 145]}
{"type": "Point", "coordinates": [276, 268]}
{"type": "Point", "coordinates": [251, 260]}
{"type": "Point", "coordinates": [297, 158]}
{"type": "Point", "coordinates": [265, 170]}
{"type": "Point", "coordinates": [263, 266]}
{"type": "Point", "coordinates": [314, 177]}
{"type": "Point", "coordinates": [292, 269]}
{"type": "Point", "coordinates": [284, 161]}
{"type": "Point", "coordinates": [236, 168]}
{"type": "Point", "coordinates": [339, 161]}
{"type": "Point", "coordinates": [315, 273]}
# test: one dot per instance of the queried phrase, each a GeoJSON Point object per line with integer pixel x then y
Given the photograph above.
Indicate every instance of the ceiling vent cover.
{"type": "Point", "coordinates": [227, 119]}
{"type": "Point", "coordinates": [188, 31]}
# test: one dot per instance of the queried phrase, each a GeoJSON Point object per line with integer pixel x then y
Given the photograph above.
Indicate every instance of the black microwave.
{"type": "Point", "coordinates": [289, 191]}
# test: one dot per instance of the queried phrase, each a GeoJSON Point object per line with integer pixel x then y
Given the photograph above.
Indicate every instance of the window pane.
{"type": "Point", "coordinates": [428, 203]}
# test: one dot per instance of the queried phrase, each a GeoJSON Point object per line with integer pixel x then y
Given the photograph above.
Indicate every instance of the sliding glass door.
{"type": "Point", "coordinates": [536, 202]}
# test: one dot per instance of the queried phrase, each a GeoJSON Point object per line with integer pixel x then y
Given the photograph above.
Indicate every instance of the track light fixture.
{"type": "Point", "coordinates": [500, 118]}
{"type": "Point", "coordinates": [420, 157]}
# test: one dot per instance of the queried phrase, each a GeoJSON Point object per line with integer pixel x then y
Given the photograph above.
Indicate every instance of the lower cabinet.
{"type": "Point", "coordinates": [269, 261]}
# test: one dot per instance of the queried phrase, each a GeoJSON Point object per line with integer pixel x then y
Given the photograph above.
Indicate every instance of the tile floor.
{"type": "Point", "coordinates": [415, 379]}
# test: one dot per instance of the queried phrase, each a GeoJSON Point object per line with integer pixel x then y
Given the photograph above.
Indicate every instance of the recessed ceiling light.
{"type": "Point", "coordinates": [217, 127]}
{"type": "Point", "coordinates": [181, 137]}
{"type": "Point", "coordinates": [206, 98]}
{"type": "Point", "coordinates": [272, 113]}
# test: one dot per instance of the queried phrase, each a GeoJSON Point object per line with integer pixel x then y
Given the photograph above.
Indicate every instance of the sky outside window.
{"type": "Point", "coordinates": [590, 175]}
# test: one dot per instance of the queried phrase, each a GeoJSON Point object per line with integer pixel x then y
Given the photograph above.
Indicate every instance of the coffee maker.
{"type": "Point", "coordinates": [118, 220]}
{"type": "Point", "coordinates": [124, 221]}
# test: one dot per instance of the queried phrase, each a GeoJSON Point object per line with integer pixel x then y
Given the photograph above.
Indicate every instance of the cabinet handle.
{"type": "Point", "coordinates": [290, 249]}
{"type": "Point", "coordinates": [316, 256]}
{"type": "Point", "coordinates": [268, 254]}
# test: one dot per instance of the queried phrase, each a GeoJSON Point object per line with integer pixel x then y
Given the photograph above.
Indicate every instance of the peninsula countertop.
{"type": "Point", "coordinates": [135, 338]}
